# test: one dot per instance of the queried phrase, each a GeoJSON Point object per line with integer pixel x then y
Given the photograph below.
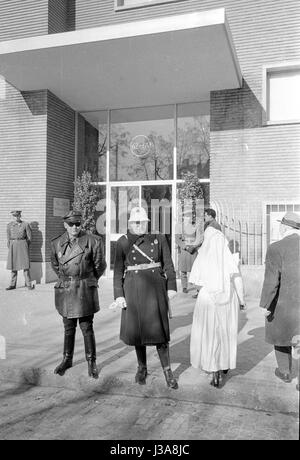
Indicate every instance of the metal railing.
{"type": "Point", "coordinates": [245, 235]}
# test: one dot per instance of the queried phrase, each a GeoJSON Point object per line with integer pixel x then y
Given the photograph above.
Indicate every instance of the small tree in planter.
{"type": "Point", "coordinates": [85, 200]}
{"type": "Point", "coordinates": [190, 194]}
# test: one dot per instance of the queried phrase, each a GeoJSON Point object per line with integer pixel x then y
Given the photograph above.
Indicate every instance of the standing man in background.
{"type": "Point", "coordinates": [18, 241]}
{"type": "Point", "coordinates": [188, 239]}
{"type": "Point", "coordinates": [280, 295]}
{"type": "Point", "coordinates": [210, 219]}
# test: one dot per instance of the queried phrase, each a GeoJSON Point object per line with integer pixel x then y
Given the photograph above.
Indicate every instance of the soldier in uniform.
{"type": "Point", "coordinates": [144, 281]}
{"type": "Point", "coordinates": [188, 241]}
{"type": "Point", "coordinates": [78, 260]}
{"type": "Point", "coordinates": [18, 241]}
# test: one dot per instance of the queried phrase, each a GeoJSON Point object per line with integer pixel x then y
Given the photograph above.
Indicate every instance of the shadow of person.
{"type": "Point", "coordinates": [251, 352]}
{"type": "Point", "coordinates": [180, 350]}
{"type": "Point", "coordinates": [36, 255]}
{"type": "Point", "coordinates": [180, 347]}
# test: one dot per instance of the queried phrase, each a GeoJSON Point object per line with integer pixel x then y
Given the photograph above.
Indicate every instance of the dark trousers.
{"type": "Point", "coordinates": [85, 323]}
{"type": "Point", "coordinates": [284, 358]}
{"type": "Point", "coordinates": [163, 353]}
{"type": "Point", "coordinates": [184, 279]}
{"type": "Point", "coordinates": [14, 277]}
{"type": "Point", "coordinates": [86, 326]}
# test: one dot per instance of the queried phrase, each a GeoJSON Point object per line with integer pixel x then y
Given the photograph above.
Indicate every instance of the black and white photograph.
{"type": "Point", "coordinates": [149, 223]}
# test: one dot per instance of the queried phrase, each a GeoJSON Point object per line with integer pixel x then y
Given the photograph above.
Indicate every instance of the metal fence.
{"type": "Point", "coordinates": [246, 235]}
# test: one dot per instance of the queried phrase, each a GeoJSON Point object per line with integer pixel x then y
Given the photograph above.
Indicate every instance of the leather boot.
{"type": "Point", "coordinates": [90, 353]}
{"type": "Point", "coordinates": [140, 376]}
{"type": "Point", "coordinates": [67, 361]}
{"type": "Point", "coordinates": [163, 353]}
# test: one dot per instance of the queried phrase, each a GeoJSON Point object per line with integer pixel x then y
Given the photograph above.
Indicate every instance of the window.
{"type": "Point", "coordinates": [283, 95]}
{"type": "Point", "coordinates": [128, 4]}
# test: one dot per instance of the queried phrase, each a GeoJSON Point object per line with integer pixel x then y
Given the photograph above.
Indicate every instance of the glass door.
{"type": "Point", "coordinates": [156, 198]}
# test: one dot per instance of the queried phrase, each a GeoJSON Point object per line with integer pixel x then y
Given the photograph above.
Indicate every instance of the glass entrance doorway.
{"type": "Point", "coordinates": [139, 157]}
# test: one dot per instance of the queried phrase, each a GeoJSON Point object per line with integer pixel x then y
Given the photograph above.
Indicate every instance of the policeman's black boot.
{"type": "Point", "coordinates": [67, 361]}
{"type": "Point", "coordinates": [90, 353]}
{"type": "Point", "coordinates": [140, 376]}
{"type": "Point", "coordinates": [163, 353]}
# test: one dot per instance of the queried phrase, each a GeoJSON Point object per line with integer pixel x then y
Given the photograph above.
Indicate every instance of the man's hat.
{"type": "Point", "coordinates": [16, 213]}
{"type": "Point", "coordinates": [291, 219]}
{"type": "Point", "coordinates": [73, 216]}
{"type": "Point", "coordinates": [138, 215]}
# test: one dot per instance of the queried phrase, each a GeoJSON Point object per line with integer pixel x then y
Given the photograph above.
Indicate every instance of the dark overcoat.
{"type": "Point", "coordinates": [145, 321]}
{"type": "Point", "coordinates": [280, 293]}
{"type": "Point", "coordinates": [78, 269]}
{"type": "Point", "coordinates": [18, 241]}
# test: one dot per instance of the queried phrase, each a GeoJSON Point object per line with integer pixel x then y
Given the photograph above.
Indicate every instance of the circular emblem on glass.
{"type": "Point", "coordinates": [140, 146]}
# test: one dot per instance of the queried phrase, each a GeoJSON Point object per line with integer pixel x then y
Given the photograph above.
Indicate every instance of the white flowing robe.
{"type": "Point", "coordinates": [215, 322]}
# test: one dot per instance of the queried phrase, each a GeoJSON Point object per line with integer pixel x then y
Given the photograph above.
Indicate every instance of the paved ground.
{"type": "Point", "coordinates": [252, 404]}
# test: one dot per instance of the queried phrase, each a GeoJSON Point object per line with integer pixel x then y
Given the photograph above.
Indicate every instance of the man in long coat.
{"type": "Point", "coordinates": [18, 241]}
{"type": "Point", "coordinates": [281, 294]}
{"type": "Point", "coordinates": [144, 281]}
{"type": "Point", "coordinates": [78, 260]}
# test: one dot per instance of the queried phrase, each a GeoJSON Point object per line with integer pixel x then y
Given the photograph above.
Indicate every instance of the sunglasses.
{"type": "Point", "coordinates": [71, 224]}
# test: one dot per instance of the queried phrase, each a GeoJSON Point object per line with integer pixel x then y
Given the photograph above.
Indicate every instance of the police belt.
{"type": "Point", "coordinates": [143, 266]}
{"type": "Point", "coordinates": [74, 278]}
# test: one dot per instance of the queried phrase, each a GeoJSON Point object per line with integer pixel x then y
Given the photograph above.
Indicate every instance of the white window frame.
{"type": "Point", "coordinates": [119, 4]}
{"type": "Point", "coordinates": [285, 203]}
{"type": "Point", "coordinates": [269, 69]}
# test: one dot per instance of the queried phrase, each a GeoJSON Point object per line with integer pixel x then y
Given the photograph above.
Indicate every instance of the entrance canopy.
{"type": "Point", "coordinates": [167, 60]}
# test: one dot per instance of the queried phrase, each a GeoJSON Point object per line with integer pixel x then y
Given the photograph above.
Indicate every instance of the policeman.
{"type": "Point", "coordinates": [144, 281]}
{"type": "Point", "coordinates": [18, 241]}
{"type": "Point", "coordinates": [78, 260]}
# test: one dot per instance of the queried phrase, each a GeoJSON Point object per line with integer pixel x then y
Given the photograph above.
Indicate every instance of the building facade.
{"type": "Point", "coordinates": [138, 92]}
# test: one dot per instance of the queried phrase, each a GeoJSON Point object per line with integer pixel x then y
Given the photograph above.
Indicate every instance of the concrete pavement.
{"type": "Point", "coordinates": [31, 346]}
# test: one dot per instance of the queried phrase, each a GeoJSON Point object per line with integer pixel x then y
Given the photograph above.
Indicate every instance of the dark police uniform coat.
{"type": "Point", "coordinates": [281, 292]}
{"type": "Point", "coordinates": [18, 240]}
{"type": "Point", "coordinates": [145, 321]}
{"type": "Point", "coordinates": [78, 267]}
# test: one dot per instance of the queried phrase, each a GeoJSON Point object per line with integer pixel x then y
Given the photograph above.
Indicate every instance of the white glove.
{"type": "Point", "coordinates": [121, 302]}
{"type": "Point", "coordinates": [171, 294]}
{"type": "Point", "coordinates": [265, 312]}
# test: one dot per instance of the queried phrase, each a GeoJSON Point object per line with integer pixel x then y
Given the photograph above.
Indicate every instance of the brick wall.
{"type": "Point", "coordinates": [37, 156]}
{"type": "Point", "coordinates": [61, 16]}
{"type": "Point", "coordinates": [60, 163]}
{"type": "Point", "coordinates": [23, 132]}
{"type": "Point", "coordinates": [23, 18]}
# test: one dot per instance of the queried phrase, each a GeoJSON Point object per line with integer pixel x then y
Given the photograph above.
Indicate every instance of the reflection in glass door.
{"type": "Point", "coordinates": [158, 200]}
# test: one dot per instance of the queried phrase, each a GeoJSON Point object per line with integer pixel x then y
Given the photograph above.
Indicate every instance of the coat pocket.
{"type": "Point", "coordinates": [92, 283]}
